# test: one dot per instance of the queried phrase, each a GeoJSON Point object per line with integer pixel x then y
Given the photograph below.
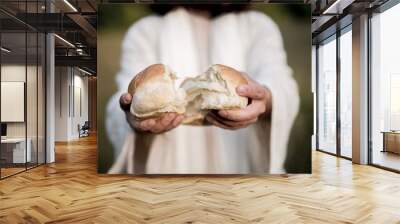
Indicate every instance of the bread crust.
{"type": "Point", "coordinates": [149, 74]}
{"type": "Point", "coordinates": [231, 75]}
{"type": "Point", "coordinates": [153, 93]}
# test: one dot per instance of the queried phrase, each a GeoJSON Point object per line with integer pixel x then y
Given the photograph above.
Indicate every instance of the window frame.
{"type": "Point", "coordinates": [333, 37]}
{"type": "Point", "coordinates": [29, 29]}
{"type": "Point", "coordinates": [371, 13]}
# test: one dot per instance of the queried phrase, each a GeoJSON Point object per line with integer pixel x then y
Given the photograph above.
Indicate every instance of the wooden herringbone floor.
{"type": "Point", "coordinates": [70, 191]}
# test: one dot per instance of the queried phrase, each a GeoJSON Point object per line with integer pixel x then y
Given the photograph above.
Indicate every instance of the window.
{"type": "Point", "coordinates": [346, 93]}
{"type": "Point", "coordinates": [22, 77]}
{"type": "Point", "coordinates": [332, 77]}
{"type": "Point", "coordinates": [385, 89]}
{"type": "Point", "coordinates": [327, 96]}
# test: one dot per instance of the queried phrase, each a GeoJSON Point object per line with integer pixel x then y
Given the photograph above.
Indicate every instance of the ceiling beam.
{"type": "Point", "coordinates": [81, 61]}
{"type": "Point", "coordinates": [84, 24]}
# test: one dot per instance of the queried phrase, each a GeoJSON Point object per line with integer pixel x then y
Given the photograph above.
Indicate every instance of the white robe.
{"type": "Point", "coordinates": [189, 43]}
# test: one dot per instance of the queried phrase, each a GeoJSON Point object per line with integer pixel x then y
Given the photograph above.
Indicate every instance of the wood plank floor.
{"type": "Point", "coordinates": [11, 170]}
{"type": "Point", "coordinates": [70, 191]}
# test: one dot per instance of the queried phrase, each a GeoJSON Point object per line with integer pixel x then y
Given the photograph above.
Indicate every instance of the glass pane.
{"type": "Point", "coordinates": [31, 85]}
{"type": "Point", "coordinates": [31, 98]}
{"type": "Point", "coordinates": [41, 98]}
{"type": "Point", "coordinates": [385, 83]}
{"type": "Point", "coordinates": [327, 97]}
{"type": "Point", "coordinates": [346, 94]}
{"type": "Point", "coordinates": [13, 88]}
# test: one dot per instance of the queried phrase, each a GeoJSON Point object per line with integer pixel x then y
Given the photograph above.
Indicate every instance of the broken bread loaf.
{"type": "Point", "coordinates": [154, 92]}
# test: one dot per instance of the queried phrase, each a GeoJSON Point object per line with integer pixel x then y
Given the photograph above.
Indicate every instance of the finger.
{"type": "Point", "coordinates": [125, 101]}
{"type": "Point", "coordinates": [248, 113]}
{"type": "Point", "coordinates": [168, 120]}
{"type": "Point", "coordinates": [178, 119]}
{"type": "Point", "coordinates": [252, 90]}
{"type": "Point", "coordinates": [162, 123]}
{"type": "Point", "coordinates": [131, 119]}
{"type": "Point", "coordinates": [157, 128]}
{"type": "Point", "coordinates": [215, 122]}
{"type": "Point", "coordinates": [146, 125]}
{"type": "Point", "coordinates": [228, 121]}
{"type": "Point", "coordinates": [231, 123]}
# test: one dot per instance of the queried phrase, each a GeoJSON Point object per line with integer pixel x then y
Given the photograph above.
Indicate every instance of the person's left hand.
{"type": "Point", "coordinates": [260, 103]}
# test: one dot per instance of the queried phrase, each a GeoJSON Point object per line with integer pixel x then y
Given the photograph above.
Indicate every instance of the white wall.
{"type": "Point", "coordinates": [33, 126]}
{"type": "Point", "coordinates": [62, 81]}
{"type": "Point", "coordinates": [71, 94]}
{"type": "Point", "coordinates": [79, 110]}
{"type": "Point", "coordinates": [12, 73]}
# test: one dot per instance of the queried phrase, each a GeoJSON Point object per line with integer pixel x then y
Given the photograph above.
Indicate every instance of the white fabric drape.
{"type": "Point", "coordinates": [189, 44]}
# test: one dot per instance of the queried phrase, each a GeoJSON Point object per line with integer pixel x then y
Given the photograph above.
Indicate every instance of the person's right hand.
{"type": "Point", "coordinates": [153, 125]}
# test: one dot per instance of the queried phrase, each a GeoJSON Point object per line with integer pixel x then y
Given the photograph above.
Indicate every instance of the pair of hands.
{"type": "Point", "coordinates": [260, 103]}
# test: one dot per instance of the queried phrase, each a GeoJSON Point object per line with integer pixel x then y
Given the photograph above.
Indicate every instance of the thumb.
{"type": "Point", "coordinates": [252, 91]}
{"type": "Point", "coordinates": [125, 101]}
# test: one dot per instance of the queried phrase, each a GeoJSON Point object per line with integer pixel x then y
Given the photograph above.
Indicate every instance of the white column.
{"type": "Point", "coordinates": [360, 90]}
{"type": "Point", "coordinates": [50, 100]}
{"type": "Point", "coordinates": [50, 92]}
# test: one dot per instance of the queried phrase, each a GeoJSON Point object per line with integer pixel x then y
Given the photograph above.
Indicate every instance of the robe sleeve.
{"type": "Point", "coordinates": [266, 63]}
{"type": "Point", "coordinates": [138, 51]}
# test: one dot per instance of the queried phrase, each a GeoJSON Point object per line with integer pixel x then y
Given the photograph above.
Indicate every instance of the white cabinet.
{"type": "Point", "coordinates": [18, 149]}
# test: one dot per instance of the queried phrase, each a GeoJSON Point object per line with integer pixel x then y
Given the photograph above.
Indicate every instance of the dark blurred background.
{"type": "Point", "coordinates": [294, 21]}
